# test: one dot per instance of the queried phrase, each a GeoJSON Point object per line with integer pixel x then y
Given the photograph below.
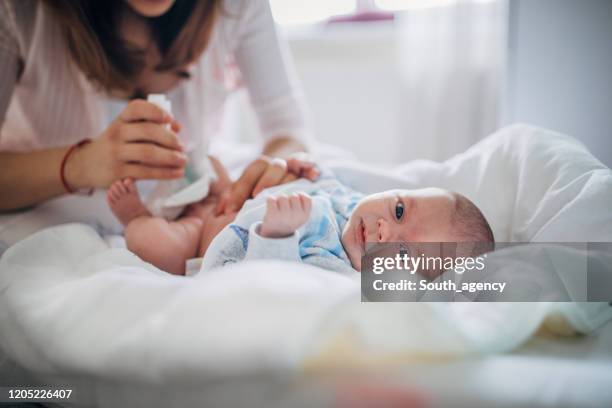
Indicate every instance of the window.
{"type": "Point", "coordinates": [290, 12]}
{"type": "Point", "coordinates": [309, 11]}
{"type": "Point", "coordinates": [397, 5]}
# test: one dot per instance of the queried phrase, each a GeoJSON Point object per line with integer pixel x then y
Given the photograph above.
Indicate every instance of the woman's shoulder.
{"type": "Point", "coordinates": [238, 15]}
{"type": "Point", "coordinates": [239, 19]}
{"type": "Point", "coordinates": [237, 8]}
{"type": "Point", "coordinates": [17, 20]}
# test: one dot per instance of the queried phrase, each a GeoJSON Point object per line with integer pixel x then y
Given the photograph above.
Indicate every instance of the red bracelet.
{"type": "Point", "coordinates": [69, 189]}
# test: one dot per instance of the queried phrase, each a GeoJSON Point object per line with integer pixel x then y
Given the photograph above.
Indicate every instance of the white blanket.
{"type": "Point", "coordinates": [72, 306]}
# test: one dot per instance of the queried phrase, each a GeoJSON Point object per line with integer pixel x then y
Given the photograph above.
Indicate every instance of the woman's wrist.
{"type": "Point", "coordinates": [77, 166]}
{"type": "Point", "coordinates": [283, 147]}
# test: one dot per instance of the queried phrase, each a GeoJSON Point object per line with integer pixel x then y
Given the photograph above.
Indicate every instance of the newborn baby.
{"type": "Point", "coordinates": [323, 223]}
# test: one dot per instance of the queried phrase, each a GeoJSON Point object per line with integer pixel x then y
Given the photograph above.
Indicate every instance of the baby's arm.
{"type": "Point", "coordinates": [285, 214]}
{"type": "Point", "coordinates": [276, 237]}
{"type": "Point", "coordinates": [273, 238]}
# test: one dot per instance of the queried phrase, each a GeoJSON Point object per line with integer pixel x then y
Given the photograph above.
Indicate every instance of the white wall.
{"type": "Point", "coordinates": [560, 69]}
{"type": "Point", "coordinates": [350, 78]}
{"type": "Point", "coordinates": [351, 81]}
{"type": "Point", "coordinates": [391, 94]}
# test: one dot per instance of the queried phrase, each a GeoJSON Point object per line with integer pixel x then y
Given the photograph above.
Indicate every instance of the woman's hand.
{"type": "Point", "coordinates": [302, 166]}
{"type": "Point", "coordinates": [223, 184]}
{"type": "Point", "coordinates": [263, 173]}
{"type": "Point", "coordinates": [137, 144]}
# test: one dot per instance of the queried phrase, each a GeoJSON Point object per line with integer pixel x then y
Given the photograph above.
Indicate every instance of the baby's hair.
{"type": "Point", "coordinates": [471, 225]}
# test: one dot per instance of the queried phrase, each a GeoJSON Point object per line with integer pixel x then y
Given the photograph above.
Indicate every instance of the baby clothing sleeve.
{"type": "Point", "coordinates": [269, 75]}
{"type": "Point", "coordinates": [236, 243]}
{"type": "Point", "coordinates": [260, 247]}
{"type": "Point", "coordinates": [289, 249]}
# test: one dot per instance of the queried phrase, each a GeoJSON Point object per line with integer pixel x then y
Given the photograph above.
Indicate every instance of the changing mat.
{"type": "Point", "coordinates": [73, 307]}
{"type": "Point", "coordinates": [85, 306]}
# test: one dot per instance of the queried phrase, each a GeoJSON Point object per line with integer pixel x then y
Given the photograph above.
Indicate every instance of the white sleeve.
{"type": "Point", "coordinates": [269, 75]}
{"type": "Point", "coordinates": [9, 59]}
{"type": "Point", "coordinates": [284, 249]}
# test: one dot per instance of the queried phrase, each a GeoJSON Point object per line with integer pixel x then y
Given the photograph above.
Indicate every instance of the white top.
{"type": "Point", "coordinates": [45, 101]}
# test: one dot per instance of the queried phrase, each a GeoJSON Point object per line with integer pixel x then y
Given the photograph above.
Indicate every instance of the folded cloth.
{"type": "Point", "coordinates": [169, 198]}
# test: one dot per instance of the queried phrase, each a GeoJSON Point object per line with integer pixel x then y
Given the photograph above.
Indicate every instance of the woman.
{"type": "Point", "coordinates": [67, 65]}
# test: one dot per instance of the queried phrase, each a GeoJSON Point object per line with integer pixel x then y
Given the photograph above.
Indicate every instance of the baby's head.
{"type": "Point", "coordinates": [424, 215]}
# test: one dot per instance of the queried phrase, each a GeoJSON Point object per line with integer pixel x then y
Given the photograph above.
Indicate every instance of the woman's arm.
{"type": "Point", "coordinates": [283, 147]}
{"type": "Point", "coordinates": [291, 163]}
{"type": "Point", "coordinates": [296, 163]}
{"type": "Point", "coordinates": [265, 172]}
{"type": "Point", "coordinates": [136, 145]}
{"type": "Point", "coordinates": [25, 178]}
{"type": "Point", "coordinates": [275, 93]}
{"type": "Point", "coordinates": [269, 75]}
{"type": "Point", "coordinates": [29, 178]}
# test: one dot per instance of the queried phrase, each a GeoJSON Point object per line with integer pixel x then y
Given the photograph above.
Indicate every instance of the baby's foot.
{"type": "Point", "coordinates": [123, 199]}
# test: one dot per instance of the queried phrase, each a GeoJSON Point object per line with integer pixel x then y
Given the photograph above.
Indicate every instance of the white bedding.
{"type": "Point", "coordinates": [73, 309]}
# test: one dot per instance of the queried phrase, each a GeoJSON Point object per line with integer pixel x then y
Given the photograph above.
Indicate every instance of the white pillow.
{"type": "Point", "coordinates": [531, 184]}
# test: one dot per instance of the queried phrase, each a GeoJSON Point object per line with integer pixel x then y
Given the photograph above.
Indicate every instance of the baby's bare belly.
{"type": "Point", "coordinates": [212, 224]}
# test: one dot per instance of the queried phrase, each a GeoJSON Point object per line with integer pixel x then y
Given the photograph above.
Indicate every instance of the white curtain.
{"type": "Point", "coordinates": [451, 58]}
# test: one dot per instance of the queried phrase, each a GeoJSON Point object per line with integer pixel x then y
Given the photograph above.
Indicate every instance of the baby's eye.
{"type": "Point", "coordinates": [399, 210]}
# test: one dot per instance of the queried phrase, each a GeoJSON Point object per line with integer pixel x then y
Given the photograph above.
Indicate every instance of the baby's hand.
{"type": "Point", "coordinates": [285, 214]}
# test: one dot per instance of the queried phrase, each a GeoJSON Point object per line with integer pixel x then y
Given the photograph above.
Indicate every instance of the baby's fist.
{"type": "Point", "coordinates": [285, 214]}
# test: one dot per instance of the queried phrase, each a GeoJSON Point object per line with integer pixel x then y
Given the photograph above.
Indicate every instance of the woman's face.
{"type": "Point", "coordinates": [150, 8]}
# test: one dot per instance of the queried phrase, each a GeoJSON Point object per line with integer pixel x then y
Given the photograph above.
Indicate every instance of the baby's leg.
{"type": "Point", "coordinates": [165, 244]}
{"type": "Point", "coordinates": [123, 199]}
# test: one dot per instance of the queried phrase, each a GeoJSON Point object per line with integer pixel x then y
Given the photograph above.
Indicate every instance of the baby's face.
{"type": "Point", "coordinates": [399, 216]}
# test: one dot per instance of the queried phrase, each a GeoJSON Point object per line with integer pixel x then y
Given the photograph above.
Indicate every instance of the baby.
{"type": "Point", "coordinates": [323, 223]}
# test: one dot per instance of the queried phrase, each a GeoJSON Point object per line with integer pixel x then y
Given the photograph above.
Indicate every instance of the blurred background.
{"type": "Point", "coordinates": [396, 80]}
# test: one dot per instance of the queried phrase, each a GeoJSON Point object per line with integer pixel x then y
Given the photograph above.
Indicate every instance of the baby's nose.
{"type": "Point", "coordinates": [383, 230]}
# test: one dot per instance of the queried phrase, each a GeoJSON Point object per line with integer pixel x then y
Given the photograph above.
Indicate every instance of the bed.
{"type": "Point", "coordinates": [76, 308]}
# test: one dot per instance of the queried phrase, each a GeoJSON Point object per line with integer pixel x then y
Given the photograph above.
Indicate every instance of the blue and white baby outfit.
{"type": "Point", "coordinates": [317, 242]}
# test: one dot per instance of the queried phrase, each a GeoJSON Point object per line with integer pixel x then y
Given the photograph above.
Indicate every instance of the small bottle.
{"type": "Point", "coordinates": [169, 197]}
{"type": "Point", "coordinates": [164, 103]}
{"type": "Point", "coordinates": [161, 101]}
{"type": "Point", "coordinates": [155, 201]}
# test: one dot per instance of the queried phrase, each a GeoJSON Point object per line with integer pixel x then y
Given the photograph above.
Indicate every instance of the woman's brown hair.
{"type": "Point", "coordinates": [91, 33]}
